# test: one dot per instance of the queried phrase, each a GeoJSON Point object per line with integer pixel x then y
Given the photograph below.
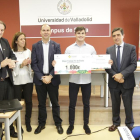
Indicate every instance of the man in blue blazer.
{"type": "Point", "coordinates": [121, 78]}
{"type": "Point", "coordinates": [44, 78]}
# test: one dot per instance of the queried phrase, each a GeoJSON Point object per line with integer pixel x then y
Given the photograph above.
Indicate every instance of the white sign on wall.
{"type": "Point", "coordinates": [64, 16]}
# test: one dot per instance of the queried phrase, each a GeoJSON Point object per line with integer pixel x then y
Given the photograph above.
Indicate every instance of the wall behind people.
{"type": "Point", "coordinates": [124, 13]}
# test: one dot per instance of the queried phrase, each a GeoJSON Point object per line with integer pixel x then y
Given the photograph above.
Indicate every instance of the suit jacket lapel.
{"type": "Point", "coordinates": [51, 45]}
{"type": "Point", "coordinates": [3, 49]}
{"type": "Point", "coordinates": [1, 55]}
{"type": "Point", "coordinates": [41, 50]}
{"type": "Point", "coordinates": [124, 54]}
{"type": "Point", "coordinates": [114, 56]}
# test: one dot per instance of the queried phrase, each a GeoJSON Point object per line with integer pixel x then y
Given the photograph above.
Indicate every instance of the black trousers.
{"type": "Point", "coordinates": [42, 91]}
{"type": "Point", "coordinates": [7, 93]}
{"type": "Point", "coordinates": [127, 96]}
{"type": "Point", "coordinates": [86, 93]}
{"type": "Point", "coordinates": [26, 90]}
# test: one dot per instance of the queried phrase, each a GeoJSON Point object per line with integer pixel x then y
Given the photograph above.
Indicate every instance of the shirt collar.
{"type": "Point", "coordinates": [82, 45]}
{"type": "Point", "coordinates": [120, 45]}
{"type": "Point", "coordinates": [46, 43]}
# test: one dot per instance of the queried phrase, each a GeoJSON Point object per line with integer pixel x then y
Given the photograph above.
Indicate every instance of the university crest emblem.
{"type": "Point", "coordinates": [64, 7]}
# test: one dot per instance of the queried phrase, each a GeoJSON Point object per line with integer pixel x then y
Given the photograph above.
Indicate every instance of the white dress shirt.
{"type": "Point", "coordinates": [46, 53]}
{"type": "Point", "coordinates": [0, 47]}
{"type": "Point", "coordinates": [84, 49]}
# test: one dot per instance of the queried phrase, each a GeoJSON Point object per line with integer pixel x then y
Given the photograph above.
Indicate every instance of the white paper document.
{"type": "Point", "coordinates": [125, 133]}
{"type": "Point", "coordinates": [100, 61]}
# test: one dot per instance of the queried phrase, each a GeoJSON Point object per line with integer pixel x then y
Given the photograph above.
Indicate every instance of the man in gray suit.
{"type": "Point", "coordinates": [121, 78]}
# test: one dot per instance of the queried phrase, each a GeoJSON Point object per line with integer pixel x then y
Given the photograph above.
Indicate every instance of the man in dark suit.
{"type": "Point", "coordinates": [7, 62]}
{"type": "Point", "coordinates": [44, 78]}
{"type": "Point", "coordinates": [121, 78]}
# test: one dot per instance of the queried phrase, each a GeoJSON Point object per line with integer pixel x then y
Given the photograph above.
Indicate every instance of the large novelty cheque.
{"type": "Point", "coordinates": [72, 64]}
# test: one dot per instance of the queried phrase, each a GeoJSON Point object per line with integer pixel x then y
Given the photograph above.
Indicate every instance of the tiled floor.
{"type": "Point", "coordinates": [50, 133]}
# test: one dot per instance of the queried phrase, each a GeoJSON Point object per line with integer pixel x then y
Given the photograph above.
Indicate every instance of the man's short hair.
{"type": "Point", "coordinates": [45, 24]}
{"type": "Point", "coordinates": [1, 22]}
{"type": "Point", "coordinates": [118, 29]}
{"type": "Point", "coordinates": [80, 28]}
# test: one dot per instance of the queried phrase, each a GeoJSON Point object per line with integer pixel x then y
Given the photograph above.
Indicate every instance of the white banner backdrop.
{"type": "Point", "coordinates": [64, 16]}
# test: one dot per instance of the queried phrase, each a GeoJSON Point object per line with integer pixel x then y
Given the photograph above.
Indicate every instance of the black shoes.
{"type": "Point", "coordinates": [39, 129]}
{"type": "Point", "coordinates": [69, 130]}
{"type": "Point", "coordinates": [28, 127]}
{"type": "Point", "coordinates": [13, 135]}
{"type": "Point", "coordinates": [113, 127]}
{"type": "Point", "coordinates": [59, 129]}
{"type": "Point", "coordinates": [87, 129]}
{"type": "Point", "coordinates": [130, 127]}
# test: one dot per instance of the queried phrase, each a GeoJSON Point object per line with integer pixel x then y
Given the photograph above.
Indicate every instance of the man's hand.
{"type": "Point", "coordinates": [53, 63]}
{"type": "Point", "coordinates": [110, 62]}
{"type": "Point", "coordinates": [5, 62]}
{"type": "Point", "coordinates": [117, 77]}
{"type": "Point", "coordinates": [8, 62]}
{"type": "Point", "coordinates": [12, 64]}
{"type": "Point", "coordinates": [121, 81]}
{"type": "Point", "coordinates": [47, 79]}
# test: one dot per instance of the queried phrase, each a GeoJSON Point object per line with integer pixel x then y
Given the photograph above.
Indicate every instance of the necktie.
{"type": "Point", "coordinates": [3, 70]}
{"type": "Point", "coordinates": [118, 59]}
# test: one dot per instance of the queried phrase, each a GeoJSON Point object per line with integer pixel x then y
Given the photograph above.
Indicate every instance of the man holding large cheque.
{"type": "Point", "coordinates": [79, 80]}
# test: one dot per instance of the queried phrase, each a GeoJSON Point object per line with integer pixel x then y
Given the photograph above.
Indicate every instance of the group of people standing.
{"type": "Point", "coordinates": [16, 77]}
